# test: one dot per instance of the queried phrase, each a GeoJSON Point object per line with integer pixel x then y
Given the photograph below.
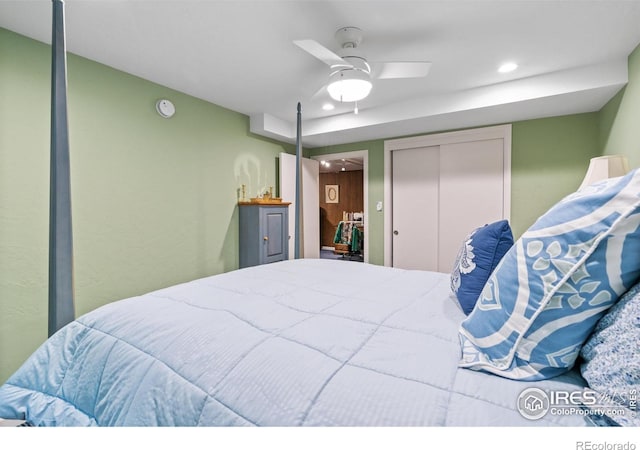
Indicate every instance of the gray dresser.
{"type": "Point", "coordinates": [264, 233]}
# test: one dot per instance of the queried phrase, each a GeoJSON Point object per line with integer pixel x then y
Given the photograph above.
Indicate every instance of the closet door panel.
{"type": "Point", "coordinates": [471, 193]}
{"type": "Point", "coordinates": [415, 208]}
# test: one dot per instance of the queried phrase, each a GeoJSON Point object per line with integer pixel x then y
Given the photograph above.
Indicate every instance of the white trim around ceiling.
{"type": "Point", "coordinates": [571, 91]}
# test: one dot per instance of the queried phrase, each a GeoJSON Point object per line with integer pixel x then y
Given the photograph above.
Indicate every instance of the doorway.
{"type": "Point", "coordinates": [343, 197]}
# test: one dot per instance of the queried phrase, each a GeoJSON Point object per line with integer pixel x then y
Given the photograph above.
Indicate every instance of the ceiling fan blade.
{"type": "Point", "coordinates": [320, 94]}
{"type": "Point", "coordinates": [322, 53]}
{"type": "Point", "coordinates": [401, 69]}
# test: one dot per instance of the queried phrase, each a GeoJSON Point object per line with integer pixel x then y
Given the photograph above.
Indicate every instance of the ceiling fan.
{"type": "Point", "coordinates": [351, 73]}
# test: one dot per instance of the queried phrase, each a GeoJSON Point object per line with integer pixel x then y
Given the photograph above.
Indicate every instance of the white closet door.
{"type": "Point", "coordinates": [465, 174]}
{"type": "Point", "coordinates": [415, 208]}
{"type": "Point", "coordinates": [311, 208]}
{"type": "Point", "coordinates": [471, 193]}
{"type": "Point", "coordinates": [310, 203]}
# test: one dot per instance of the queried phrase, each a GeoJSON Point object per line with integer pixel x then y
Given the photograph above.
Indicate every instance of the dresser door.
{"type": "Point", "coordinates": [274, 228]}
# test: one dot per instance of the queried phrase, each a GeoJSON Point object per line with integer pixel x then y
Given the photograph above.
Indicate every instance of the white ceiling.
{"type": "Point", "coordinates": [239, 54]}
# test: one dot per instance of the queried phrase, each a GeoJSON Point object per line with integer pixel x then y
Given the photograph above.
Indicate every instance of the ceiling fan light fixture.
{"type": "Point", "coordinates": [349, 85]}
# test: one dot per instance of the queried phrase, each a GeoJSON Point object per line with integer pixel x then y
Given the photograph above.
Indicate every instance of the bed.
{"type": "Point", "coordinates": [301, 342]}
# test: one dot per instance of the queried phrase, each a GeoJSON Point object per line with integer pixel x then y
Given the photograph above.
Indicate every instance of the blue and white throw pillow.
{"type": "Point", "coordinates": [611, 360]}
{"type": "Point", "coordinates": [546, 295]}
{"type": "Point", "coordinates": [479, 255]}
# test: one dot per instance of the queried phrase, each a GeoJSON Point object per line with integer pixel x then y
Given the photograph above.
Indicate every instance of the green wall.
{"type": "Point", "coordinates": [549, 158]}
{"type": "Point", "coordinates": [619, 130]}
{"type": "Point", "coordinates": [154, 200]}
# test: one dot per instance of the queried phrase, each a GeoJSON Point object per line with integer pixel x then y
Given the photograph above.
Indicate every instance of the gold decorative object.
{"type": "Point", "coordinates": [265, 198]}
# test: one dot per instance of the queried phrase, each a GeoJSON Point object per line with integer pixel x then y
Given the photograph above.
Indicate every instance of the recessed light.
{"type": "Point", "coordinates": [343, 169]}
{"type": "Point", "coordinates": [507, 67]}
{"type": "Point", "coordinates": [328, 107]}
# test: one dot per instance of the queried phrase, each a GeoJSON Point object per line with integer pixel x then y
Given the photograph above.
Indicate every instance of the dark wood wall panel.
{"type": "Point", "coordinates": [351, 198]}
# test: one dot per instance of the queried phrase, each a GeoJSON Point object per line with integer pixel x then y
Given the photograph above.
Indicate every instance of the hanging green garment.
{"type": "Point", "coordinates": [355, 239]}
{"type": "Point", "coordinates": [337, 239]}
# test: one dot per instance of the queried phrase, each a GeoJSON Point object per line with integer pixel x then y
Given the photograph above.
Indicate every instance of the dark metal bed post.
{"type": "Point", "coordinates": [298, 209]}
{"type": "Point", "coordinates": [61, 304]}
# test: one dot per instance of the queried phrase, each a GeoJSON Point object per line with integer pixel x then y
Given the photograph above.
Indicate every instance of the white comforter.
{"type": "Point", "coordinates": [306, 342]}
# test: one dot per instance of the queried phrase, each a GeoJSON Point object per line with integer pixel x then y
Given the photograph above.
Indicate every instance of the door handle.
{"type": "Point", "coordinates": [266, 238]}
{"type": "Point", "coordinates": [395, 232]}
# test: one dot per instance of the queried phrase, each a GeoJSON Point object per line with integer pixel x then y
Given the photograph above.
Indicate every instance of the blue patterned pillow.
{"type": "Point", "coordinates": [546, 295]}
{"type": "Point", "coordinates": [480, 253]}
{"type": "Point", "coordinates": [611, 360]}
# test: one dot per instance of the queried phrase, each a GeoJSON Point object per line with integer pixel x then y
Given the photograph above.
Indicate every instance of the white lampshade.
{"type": "Point", "coordinates": [349, 85]}
{"type": "Point", "coordinates": [604, 167]}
